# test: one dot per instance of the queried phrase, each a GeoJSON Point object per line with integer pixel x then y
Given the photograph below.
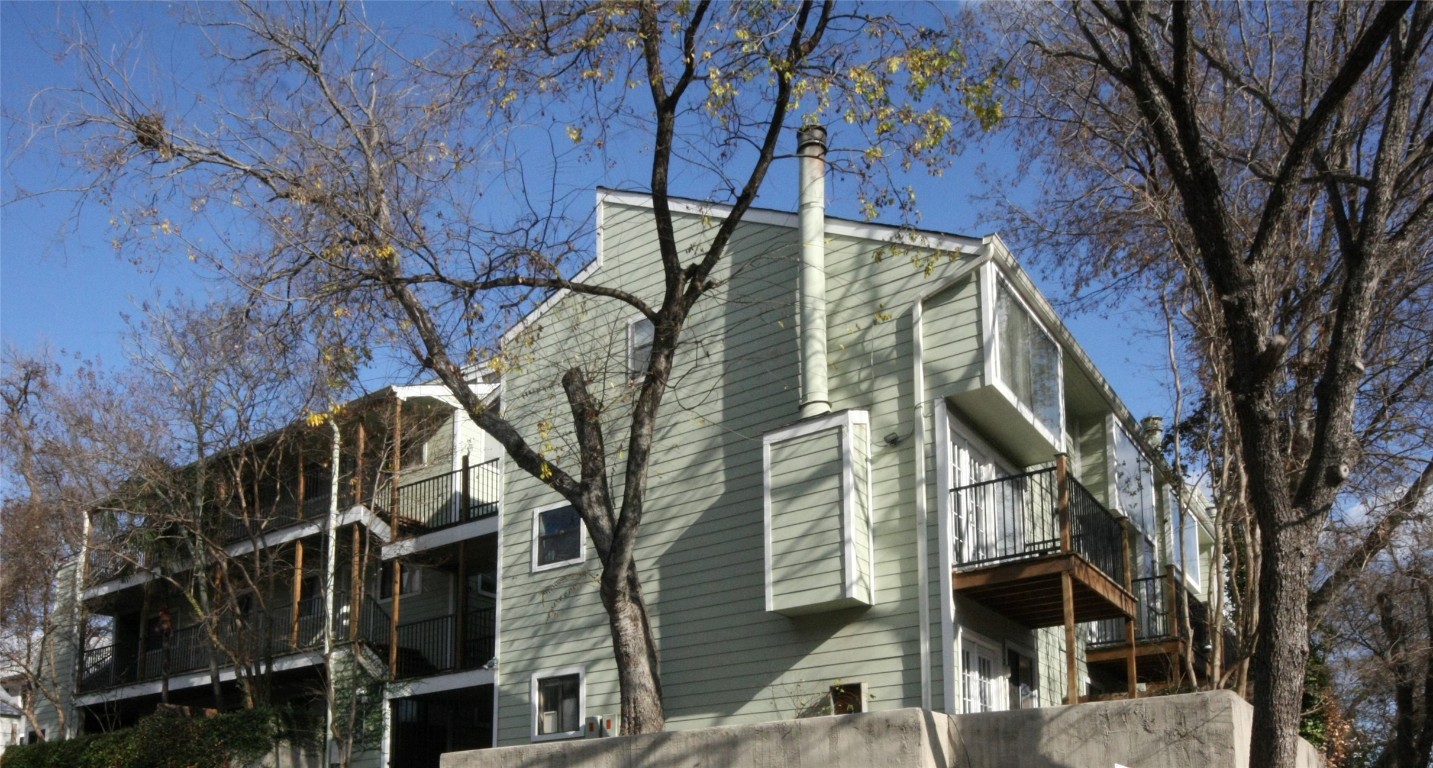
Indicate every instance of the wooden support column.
{"type": "Point", "coordinates": [1176, 621]}
{"type": "Point", "coordinates": [301, 482]}
{"type": "Point", "coordinates": [393, 626]}
{"type": "Point", "coordinates": [355, 582]}
{"type": "Point", "coordinates": [1062, 502]}
{"type": "Point", "coordinates": [1131, 667]}
{"type": "Point", "coordinates": [460, 621]}
{"type": "Point", "coordinates": [144, 608]}
{"type": "Point", "coordinates": [298, 593]}
{"type": "Point", "coordinates": [1072, 669]}
{"type": "Point", "coordinates": [393, 510]}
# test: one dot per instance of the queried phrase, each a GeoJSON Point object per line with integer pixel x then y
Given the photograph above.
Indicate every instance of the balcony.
{"type": "Point", "coordinates": [1039, 549]}
{"type": "Point", "coordinates": [444, 501]}
{"type": "Point", "coordinates": [259, 635]}
{"type": "Point", "coordinates": [1163, 633]}
{"type": "Point", "coordinates": [437, 645]}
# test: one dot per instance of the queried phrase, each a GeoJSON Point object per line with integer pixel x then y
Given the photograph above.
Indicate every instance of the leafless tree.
{"type": "Point", "coordinates": [1271, 164]}
{"type": "Point", "coordinates": [356, 163]}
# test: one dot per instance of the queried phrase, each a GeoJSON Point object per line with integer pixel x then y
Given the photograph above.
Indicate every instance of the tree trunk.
{"type": "Point", "coordinates": [638, 660]}
{"type": "Point", "coordinates": [1283, 643]}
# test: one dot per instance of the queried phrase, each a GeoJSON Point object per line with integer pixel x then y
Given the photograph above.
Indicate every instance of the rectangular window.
{"type": "Point", "coordinates": [410, 580]}
{"type": "Point", "coordinates": [557, 537]}
{"type": "Point", "coordinates": [639, 346]}
{"type": "Point", "coordinates": [1029, 360]}
{"type": "Point", "coordinates": [557, 704]}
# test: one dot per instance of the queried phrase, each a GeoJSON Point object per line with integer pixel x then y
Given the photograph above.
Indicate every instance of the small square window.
{"type": "Point", "coordinates": [410, 580]}
{"type": "Point", "coordinates": [639, 346]}
{"type": "Point", "coordinates": [557, 537]}
{"type": "Point", "coordinates": [557, 704]}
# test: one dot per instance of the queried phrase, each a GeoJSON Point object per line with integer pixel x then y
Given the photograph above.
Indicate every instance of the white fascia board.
{"type": "Point", "coordinates": [452, 681]}
{"type": "Point", "coordinates": [885, 233]}
{"type": "Point", "coordinates": [432, 540]}
{"type": "Point", "coordinates": [441, 392]}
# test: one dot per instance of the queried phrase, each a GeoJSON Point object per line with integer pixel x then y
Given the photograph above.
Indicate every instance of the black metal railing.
{"type": "Point", "coordinates": [427, 646]}
{"type": "Point", "coordinates": [1018, 517]}
{"type": "Point", "coordinates": [449, 499]}
{"type": "Point", "coordinates": [189, 648]}
{"type": "Point", "coordinates": [274, 516]}
{"type": "Point", "coordinates": [1159, 614]}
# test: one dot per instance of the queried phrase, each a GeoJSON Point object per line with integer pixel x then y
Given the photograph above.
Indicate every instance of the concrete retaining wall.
{"type": "Point", "coordinates": [1188, 731]}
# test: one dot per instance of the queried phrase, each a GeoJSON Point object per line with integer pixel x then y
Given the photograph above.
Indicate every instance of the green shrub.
{"type": "Point", "coordinates": [166, 739]}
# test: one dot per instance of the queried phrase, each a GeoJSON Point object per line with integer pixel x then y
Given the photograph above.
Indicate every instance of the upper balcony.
{"type": "Point", "coordinates": [1020, 540]}
{"type": "Point", "coordinates": [435, 503]}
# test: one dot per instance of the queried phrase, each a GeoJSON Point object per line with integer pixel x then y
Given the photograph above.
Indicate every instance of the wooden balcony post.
{"type": "Point", "coordinates": [393, 510]}
{"type": "Point", "coordinates": [393, 627]}
{"type": "Point", "coordinates": [298, 593]}
{"type": "Point", "coordinates": [1176, 621]}
{"type": "Point", "coordinates": [1072, 669]}
{"type": "Point", "coordinates": [144, 607]}
{"type": "Point", "coordinates": [1062, 502]}
{"type": "Point", "coordinates": [1131, 667]}
{"type": "Point", "coordinates": [300, 514]}
{"type": "Point", "coordinates": [459, 621]}
{"type": "Point", "coordinates": [355, 579]}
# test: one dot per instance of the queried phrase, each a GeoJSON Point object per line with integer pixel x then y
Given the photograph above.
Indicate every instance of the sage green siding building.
{"type": "Point", "coordinates": [897, 549]}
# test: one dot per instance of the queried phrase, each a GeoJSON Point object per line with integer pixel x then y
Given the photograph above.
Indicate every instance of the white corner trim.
{"type": "Point", "coordinates": [945, 519]}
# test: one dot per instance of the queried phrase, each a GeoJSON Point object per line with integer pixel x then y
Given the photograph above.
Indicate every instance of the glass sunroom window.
{"type": "Point", "coordinates": [1029, 360]}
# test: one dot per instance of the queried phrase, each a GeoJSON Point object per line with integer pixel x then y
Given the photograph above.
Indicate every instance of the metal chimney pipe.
{"type": "Point", "coordinates": [811, 148]}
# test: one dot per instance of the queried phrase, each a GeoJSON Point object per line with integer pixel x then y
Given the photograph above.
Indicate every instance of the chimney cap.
{"type": "Point", "coordinates": [810, 134]}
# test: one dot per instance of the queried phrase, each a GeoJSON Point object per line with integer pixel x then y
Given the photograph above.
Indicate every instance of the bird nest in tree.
{"type": "Point", "coordinates": [149, 133]}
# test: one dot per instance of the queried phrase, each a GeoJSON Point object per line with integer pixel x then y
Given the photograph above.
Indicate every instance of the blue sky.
{"type": "Point", "coordinates": [63, 285]}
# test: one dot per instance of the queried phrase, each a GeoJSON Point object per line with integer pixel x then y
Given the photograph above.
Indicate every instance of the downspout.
{"type": "Point", "coordinates": [811, 148]}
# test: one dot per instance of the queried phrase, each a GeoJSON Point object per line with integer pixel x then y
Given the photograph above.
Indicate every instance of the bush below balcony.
{"type": "Point", "coordinates": [166, 739]}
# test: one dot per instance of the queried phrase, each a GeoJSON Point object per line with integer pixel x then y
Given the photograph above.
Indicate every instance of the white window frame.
{"type": "Point", "coordinates": [999, 676]}
{"type": "Point", "coordinates": [634, 369]}
{"type": "Point", "coordinates": [581, 540]}
{"type": "Point", "coordinates": [536, 716]}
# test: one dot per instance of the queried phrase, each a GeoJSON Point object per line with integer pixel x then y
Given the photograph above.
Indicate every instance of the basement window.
{"type": "Point", "coordinates": [557, 704]}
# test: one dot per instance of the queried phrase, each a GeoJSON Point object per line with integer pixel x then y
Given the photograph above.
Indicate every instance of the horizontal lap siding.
{"type": "Point", "coordinates": [701, 553]}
